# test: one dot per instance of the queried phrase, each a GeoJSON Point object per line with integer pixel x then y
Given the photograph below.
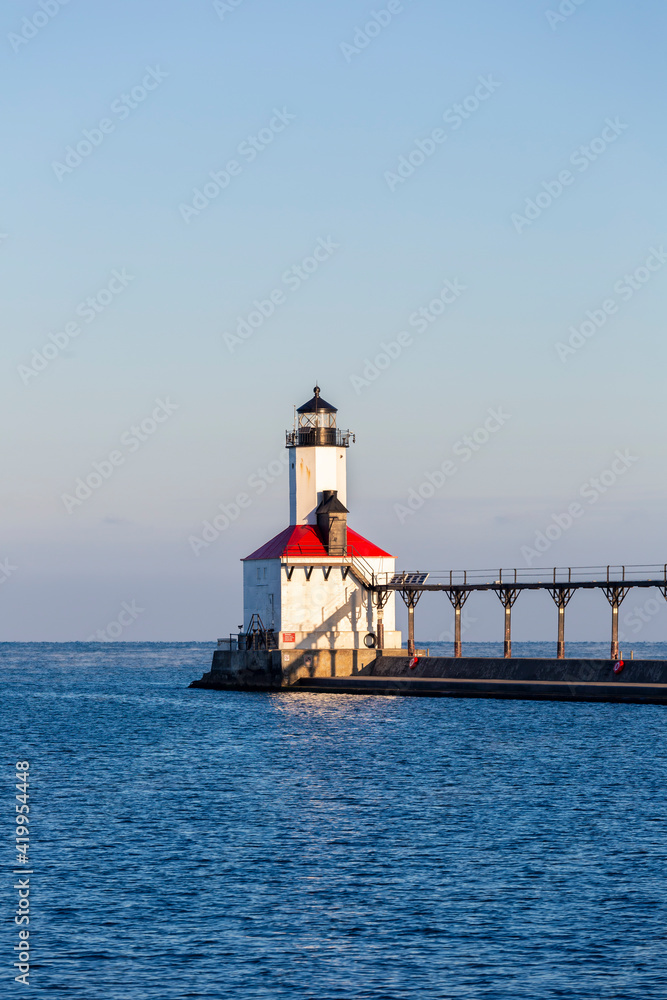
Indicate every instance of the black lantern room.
{"type": "Point", "coordinates": [316, 425]}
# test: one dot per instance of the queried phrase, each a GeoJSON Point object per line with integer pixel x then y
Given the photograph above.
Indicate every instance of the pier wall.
{"type": "Point", "coordinates": [641, 681]}
{"type": "Point", "coordinates": [270, 670]}
{"type": "Point", "coordinates": [520, 669]}
{"type": "Point", "coordinates": [355, 671]}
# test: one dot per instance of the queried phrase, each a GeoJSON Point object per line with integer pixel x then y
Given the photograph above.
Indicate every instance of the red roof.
{"type": "Point", "coordinates": [304, 540]}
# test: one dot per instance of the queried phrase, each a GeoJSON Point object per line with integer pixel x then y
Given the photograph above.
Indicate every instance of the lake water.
{"type": "Point", "coordinates": [191, 843]}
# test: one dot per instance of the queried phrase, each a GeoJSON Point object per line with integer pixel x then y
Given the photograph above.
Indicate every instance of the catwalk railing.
{"type": "Point", "coordinates": [485, 579]}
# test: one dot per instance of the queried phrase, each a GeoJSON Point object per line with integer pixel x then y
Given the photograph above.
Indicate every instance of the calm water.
{"type": "Point", "coordinates": [190, 843]}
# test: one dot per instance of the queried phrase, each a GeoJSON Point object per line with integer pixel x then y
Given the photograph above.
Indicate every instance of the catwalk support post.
{"type": "Point", "coordinates": [381, 598]}
{"type": "Point", "coordinates": [508, 596]}
{"type": "Point", "coordinates": [458, 599]}
{"type": "Point", "coordinates": [411, 597]}
{"type": "Point", "coordinates": [615, 594]}
{"type": "Point", "coordinates": [561, 596]}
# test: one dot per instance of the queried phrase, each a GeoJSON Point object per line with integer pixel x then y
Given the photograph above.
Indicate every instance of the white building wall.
{"type": "Point", "coordinates": [312, 470]}
{"type": "Point", "coordinates": [325, 613]}
{"type": "Point", "coordinates": [262, 592]}
{"type": "Point", "coordinates": [333, 605]}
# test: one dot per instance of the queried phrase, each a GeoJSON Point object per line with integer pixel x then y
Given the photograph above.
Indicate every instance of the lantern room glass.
{"type": "Point", "coordinates": [320, 418]}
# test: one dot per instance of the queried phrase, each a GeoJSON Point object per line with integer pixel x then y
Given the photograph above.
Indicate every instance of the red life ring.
{"type": "Point", "coordinates": [619, 666]}
{"type": "Point", "coordinates": [413, 662]}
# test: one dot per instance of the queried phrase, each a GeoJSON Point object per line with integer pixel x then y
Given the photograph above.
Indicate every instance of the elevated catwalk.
{"type": "Point", "coordinates": [560, 583]}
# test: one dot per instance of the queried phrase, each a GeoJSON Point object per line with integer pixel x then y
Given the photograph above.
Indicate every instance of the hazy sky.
{"type": "Point", "coordinates": [498, 166]}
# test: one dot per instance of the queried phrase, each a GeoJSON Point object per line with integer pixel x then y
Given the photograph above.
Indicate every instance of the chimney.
{"type": "Point", "coordinates": [332, 523]}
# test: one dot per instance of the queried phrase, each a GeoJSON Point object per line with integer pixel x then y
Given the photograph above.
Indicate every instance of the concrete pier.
{"type": "Point", "coordinates": [535, 679]}
{"type": "Point", "coordinates": [366, 672]}
{"type": "Point", "coordinates": [498, 688]}
{"type": "Point", "coordinates": [275, 669]}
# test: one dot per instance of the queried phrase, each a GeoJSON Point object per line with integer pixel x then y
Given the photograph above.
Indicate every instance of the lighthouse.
{"type": "Point", "coordinates": [311, 585]}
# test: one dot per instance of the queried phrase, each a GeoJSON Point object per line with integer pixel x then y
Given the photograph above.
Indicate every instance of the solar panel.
{"type": "Point", "coordinates": [411, 579]}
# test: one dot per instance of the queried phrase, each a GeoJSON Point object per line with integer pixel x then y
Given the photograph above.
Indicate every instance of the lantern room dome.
{"type": "Point", "coordinates": [316, 403]}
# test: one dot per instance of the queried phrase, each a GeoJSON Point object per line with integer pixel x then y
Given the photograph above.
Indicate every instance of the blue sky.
{"type": "Point", "coordinates": [332, 127]}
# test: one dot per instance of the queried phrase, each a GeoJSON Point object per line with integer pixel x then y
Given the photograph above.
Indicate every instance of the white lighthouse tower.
{"type": "Point", "coordinates": [311, 584]}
